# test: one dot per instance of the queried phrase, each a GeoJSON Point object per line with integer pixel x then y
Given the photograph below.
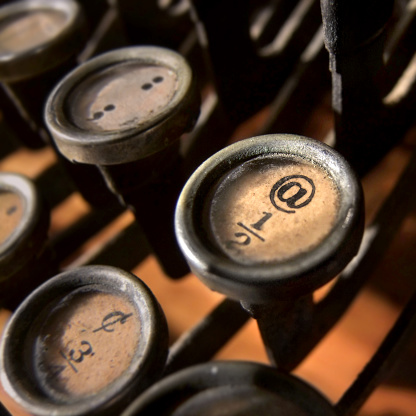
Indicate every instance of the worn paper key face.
{"type": "Point", "coordinates": [272, 208]}
{"type": "Point", "coordinates": [30, 29]}
{"type": "Point", "coordinates": [85, 343]}
{"type": "Point", "coordinates": [11, 213]}
{"type": "Point", "coordinates": [122, 97]}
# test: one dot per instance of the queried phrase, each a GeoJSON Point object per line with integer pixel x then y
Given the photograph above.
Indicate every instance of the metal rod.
{"type": "Point", "coordinates": [381, 362]}
{"type": "Point", "coordinates": [376, 241]}
{"type": "Point", "coordinates": [205, 339]}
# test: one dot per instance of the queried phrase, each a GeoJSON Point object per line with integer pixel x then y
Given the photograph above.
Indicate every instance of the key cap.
{"type": "Point", "coordinates": [230, 388]}
{"type": "Point", "coordinates": [267, 221]}
{"type": "Point", "coordinates": [39, 41]}
{"type": "Point", "coordinates": [125, 111]}
{"type": "Point", "coordinates": [92, 337]}
{"type": "Point", "coordinates": [25, 257]}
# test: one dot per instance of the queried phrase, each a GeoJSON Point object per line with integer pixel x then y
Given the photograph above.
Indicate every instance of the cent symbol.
{"type": "Point", "coordinates": [292, 192]}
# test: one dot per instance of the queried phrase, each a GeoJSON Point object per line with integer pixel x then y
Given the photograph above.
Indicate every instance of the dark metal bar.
{"type": "Point", "coordinates": [212, 133]}
{"type": "Point", "coordinates": [283, 327]}
{"type": "Point", "coordinates": [154, 23]}
{"type": "Point", "coordinates": [16, 125]}
{"type": "Point", "coordinates": [246, 79]}
{"type": "Point", "coordinates": [304, 88]}
{"type": "Point", "coordinates": [9, 143]}
{"type": "Point", "coordinates": [126, 250]}
{"type": "Point", "coordinates": [206, 338]}
{"type": "Point", "coordinates": [29, 95]}
{"type": "Point", "coordinates": [381, 362]}
{"type": "Point", "coordinates": [375, 242]}
{"type": "Point", "coordinates": [267, 17]}
{"type": "Point", "coordinates": [355, 42]}
{"type": "Point", "coordinates": [61, 179]}
{"type": "Point", "coordinates": [3, 410]}
{"type": "Point", "coordinates": [153, 203]}
{"type": "Point", "coordinates": [71, 238]}
{"type": "Point", "coordinates": [400, 43]}
{"type": "Point", "coordinates": [108, 34]}
{"type": "Point", "coordinates": [94, 11]}
{"type": "Point", "coordinates": [54, 184]}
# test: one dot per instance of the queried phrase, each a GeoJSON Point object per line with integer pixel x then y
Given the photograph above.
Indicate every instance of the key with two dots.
{"type": "Point", "coordinates": [267, 221]}
{"type": "Point", "coordinates": [125, 111]}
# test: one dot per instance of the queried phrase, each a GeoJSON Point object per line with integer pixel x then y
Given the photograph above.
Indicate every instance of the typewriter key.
{"type": "Point", "coordinates": [230, 389]}
{"type": "Point", "coordinates": [36, 36]}
{"type": "Point", "coordinates": [125, 111]}
{"type": "Point", "coordinates": [267, 221]}
{"type": "Point", "coordinates": [122, 106]}
{"type": "Point", "coordinates": [270, 217]}
{"type": "Point", "coordinates": [85, 342]}
{"type": "Point", "coordinates": [38, 43]}
{"type": "Point", "coordinates": [24, 253]}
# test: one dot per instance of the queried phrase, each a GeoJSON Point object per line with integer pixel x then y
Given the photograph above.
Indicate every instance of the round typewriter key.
{"type": "Point", "coordinates": [230, 389]}
{"type": "Point", "coordinates": [272, 217]}
{"type": "Point", "coordinates": [125, 111]}
{"type": "Point", "coordinates": [37, 35]}
{"type": "Point", "coordinates": [39, 40]}
{"type": "Point", "coordinates": [267, 221]}
{"type": "Point", "coordinates": [26, 31]}
{"type": "Point", "coordinates": [38, 43]}
{"type": "Point", "coordinates": [24, 253]}
{"type": "Point", "coordinates": [123, 106]}
{"type": "Point", "coordinates": [85, 342]}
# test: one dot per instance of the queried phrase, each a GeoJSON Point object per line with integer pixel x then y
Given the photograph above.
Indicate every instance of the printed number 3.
{"type": "Point", "coordinates": [80, 357]}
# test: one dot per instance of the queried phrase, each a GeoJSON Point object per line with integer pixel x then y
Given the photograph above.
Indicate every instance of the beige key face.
{"type": "Point", "coordinates": [11, 213]}
{"type": "Point", "coordinates": [87, 343]}
{"type": "Point", "coordinates": [272, 209]}
{"type": "Point", "coordinates": [122, 97]}
{"type": "Point", "coordinates": [28, 30]}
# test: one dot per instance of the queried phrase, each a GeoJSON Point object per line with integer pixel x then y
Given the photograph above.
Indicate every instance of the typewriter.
{"type": "Point", "coordinates": [207, 207]}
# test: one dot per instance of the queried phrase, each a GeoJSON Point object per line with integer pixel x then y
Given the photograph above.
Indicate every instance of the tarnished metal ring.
{"type": "Point", "coordinates": [30, 233]}
{"type": "Point", "coordinates": [243, 385]}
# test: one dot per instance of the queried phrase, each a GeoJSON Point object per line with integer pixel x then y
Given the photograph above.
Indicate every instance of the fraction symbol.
{"type": "Point", "coordinates": [250, 231]}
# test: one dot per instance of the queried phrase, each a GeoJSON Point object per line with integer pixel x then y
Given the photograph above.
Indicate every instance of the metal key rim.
{"type": "Point", "coordinates": [27, 229]}
{"type": "Point", "coordinates": [172, 391]}
{"type": "Point", "coordinates": [270, 281]}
